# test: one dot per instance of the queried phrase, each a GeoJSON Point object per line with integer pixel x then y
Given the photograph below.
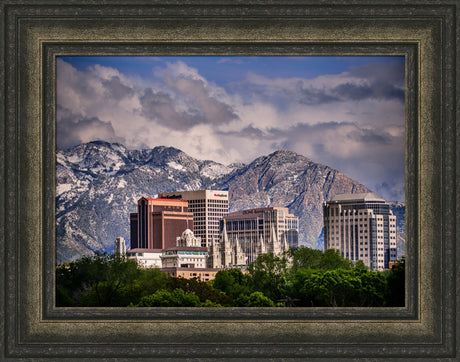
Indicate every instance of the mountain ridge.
{"type": "Point", "coordinates": [99, 183]}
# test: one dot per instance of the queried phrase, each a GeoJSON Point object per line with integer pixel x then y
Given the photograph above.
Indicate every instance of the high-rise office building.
{"type": "Point", "coordinates": [361, 227]}
{"type": "Point", "coordinates": [208, 208]}
{"type": "Point", "coordinates": [158, 222]}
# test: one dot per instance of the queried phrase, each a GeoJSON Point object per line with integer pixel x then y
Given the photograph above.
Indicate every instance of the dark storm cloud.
{"type": "Point", "coordinates": [393, 190]}
{"type": "Point", "coordinates": [250, 132]}
{"type": "Point", "coordinates": [349, 92]}
{"type": "Point", "coordinates": [286, 138]}
{"type": "Point", "coordinates": [370, 136]}
{"type": "Point", "coordinates": [391, 73]}
{"type": "Point", "coordinates": [76, 129]}
{"type": "Point", "coordinates": [368, 82]}
{"type": "Point", "coordinates": [197, 95]}
{"type": "Point", "coordinates": [312, 96]}
{"type": "Point", "coordinates": [253, 132]}
{"type": "Point", "coordinates": [346, 131]}
{"type": "Point", "coordinates": [200, 107]}
{"type": "Point", "coordinates": [116, 89]}
{"type": "Point", "coordinates": [376, 90]}
{"type": "Point", "coordinates": [159, 106]}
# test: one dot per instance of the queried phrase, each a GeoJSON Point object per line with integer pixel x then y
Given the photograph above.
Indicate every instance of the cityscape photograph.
{"type": "Point", "coordinates": [224, 181]}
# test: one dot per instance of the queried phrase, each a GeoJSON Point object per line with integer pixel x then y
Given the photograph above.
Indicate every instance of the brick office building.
{"type": "Point", "coordinates": [158, 222]}
{"type": "Point", "coordinates": [208, 207]}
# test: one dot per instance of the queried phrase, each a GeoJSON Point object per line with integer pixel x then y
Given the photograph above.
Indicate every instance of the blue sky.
{"type": "Point", "coordinates": [224, 70]}
{"type": "Point", "coordinates": [347, 112]}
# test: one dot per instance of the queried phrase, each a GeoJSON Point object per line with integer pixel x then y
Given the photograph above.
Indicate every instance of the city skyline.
{"type": "Point", "coordinates": [345, 112]}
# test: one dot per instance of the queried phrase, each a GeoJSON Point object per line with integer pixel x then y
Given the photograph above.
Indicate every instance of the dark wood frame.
{"type": "Point", "coordinates": [36, 31]}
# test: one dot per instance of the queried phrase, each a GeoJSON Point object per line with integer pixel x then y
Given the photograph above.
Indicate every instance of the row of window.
{"type": "Point", "coordinates": [183, 252]}
{"type": "Point", "coordinates": [191, 259]}
{"type": "Point", "coordinates": [198, 265]}
{"type": "Point", "coordinates": [348, 220]}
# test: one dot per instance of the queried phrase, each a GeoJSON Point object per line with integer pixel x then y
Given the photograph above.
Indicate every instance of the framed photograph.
{"type": "Point", "coordinates": [304, 129]}
{"type": "Point", "coordinates": [41, 38]}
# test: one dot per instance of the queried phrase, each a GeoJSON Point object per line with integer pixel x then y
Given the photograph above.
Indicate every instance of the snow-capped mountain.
{"type": "Point", "coordinates": [287, 179]}
{"type": "Point", "coordinates": [99, 183]}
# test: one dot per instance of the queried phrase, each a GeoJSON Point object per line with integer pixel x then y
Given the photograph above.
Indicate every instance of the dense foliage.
{"type": "Point", "coordinates": [301, 277]}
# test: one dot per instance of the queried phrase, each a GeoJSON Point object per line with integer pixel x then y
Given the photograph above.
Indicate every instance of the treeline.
{"type": "Point", "coordinates": [301, 277]}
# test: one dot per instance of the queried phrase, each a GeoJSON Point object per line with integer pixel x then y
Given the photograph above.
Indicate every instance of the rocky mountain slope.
{"type": "Point", "coordinates": [98, 185]}
{"type": "Point", "coordinates": [287, 179]}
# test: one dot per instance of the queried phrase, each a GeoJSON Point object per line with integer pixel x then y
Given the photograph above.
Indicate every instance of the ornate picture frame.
{"type": "Point", "coordinates": [37, 31]}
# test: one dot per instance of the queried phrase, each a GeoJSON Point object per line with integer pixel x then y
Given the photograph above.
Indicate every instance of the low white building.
{"type": "Point", "coordinates": [146, 258]}
{"type": "Point", "coordinates": [188, 253]}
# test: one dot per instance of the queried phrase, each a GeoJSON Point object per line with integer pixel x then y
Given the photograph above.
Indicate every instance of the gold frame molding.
{"type": "Point", "coordinates": [36, 31]}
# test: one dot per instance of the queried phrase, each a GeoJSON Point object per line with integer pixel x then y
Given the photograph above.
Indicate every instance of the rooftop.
{"type": "Point", "coordinates": [248, 213]}
{"type": "Point", "coordinates": [162, 200]}
{"type": "Point", "coordinates": [139, 250]}
{"type": "Point", "coordinates": [363, 197]}
{"type": "Point", "coordinates": [187, 248]}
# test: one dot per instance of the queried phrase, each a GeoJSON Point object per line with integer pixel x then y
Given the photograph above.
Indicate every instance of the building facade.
{"type": "Point", "coordinates": [157, 223]}
{"type": "Point", "coordinates": [146, 258]}
{"type": "Point", "coordinates": [120, 246]}
{"type": "Point", "coordinates": [188, 273]}
{"type": "Point", "coordinates": [263, 230]}
{"type": "Point", "coordinates": [361, 227]}
{"type": "Point", "coordinates": [208, 208]}
{"type": "Point", "coordinates": [225, 253]}
{"type": "Point", "coordinates": [188, 252]}
{"type": "Point", "coordinates": [188, 259]}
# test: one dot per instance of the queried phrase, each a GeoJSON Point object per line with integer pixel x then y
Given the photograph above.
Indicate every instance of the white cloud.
{"type": "Point", "coordinates": [353, 121]}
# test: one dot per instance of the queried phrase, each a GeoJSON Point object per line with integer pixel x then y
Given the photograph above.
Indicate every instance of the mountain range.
{"type": "Point", "coordinates": [98, 185]}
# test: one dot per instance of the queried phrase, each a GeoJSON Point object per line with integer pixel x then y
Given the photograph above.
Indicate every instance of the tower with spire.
{"type": "Point", "coordinates": [225, 253]}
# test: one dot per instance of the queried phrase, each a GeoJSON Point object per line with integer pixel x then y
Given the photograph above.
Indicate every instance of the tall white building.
{"type": "Point", "coordinates": [361, 227]}
{"type": "Point", "coordinates": [208, 208]}
{"type": "Point", "coordinates": [120, 246]}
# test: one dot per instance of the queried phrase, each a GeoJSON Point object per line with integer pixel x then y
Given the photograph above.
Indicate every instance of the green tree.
{"type": "Point", "coordinates": [79, 277]}
{"type": "Point", "coordinates": [296, 285]}
{"type": "Point", "coordinates": [232, 282]}
{"type": "Point", "coordinates": [115, 273]}
{"type": "Point", "coordinates": [255, 299]}
{"type": "Point", "coordinates": [147, 282]}
{"type": "Point", "coordinates": [203, 290]}
{"type": "Point", "coordinates": [332, 259]}
{"type": "Point", "coordinates": [396, 285]}
{"type": "Point", "coordinates": [164, 298]}
{"type": "Point", "coordinates": [208, 304]}
{"type": "Point", "coordinates": [269, 275]}
{"type": "Point", "coordinates": [94, 280]}
{"type": "Point", "coordinates": [331, 288]}
{"type": "Point", "coordinates": [341, 288]}
{"type": "Point", "coordinates": [305, 258]}
{"type": "Point", "coordinates": [373, 289]}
